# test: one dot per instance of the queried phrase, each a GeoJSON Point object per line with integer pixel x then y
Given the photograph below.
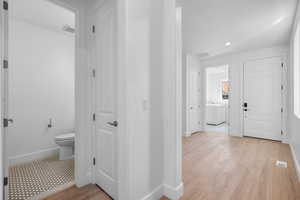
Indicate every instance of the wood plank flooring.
{"type": "Point", "coordinates": [219, 167]}
{"type": "Point", "coordinates": [89, 192]}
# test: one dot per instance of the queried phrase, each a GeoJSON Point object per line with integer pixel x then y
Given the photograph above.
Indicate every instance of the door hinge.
{"type": "Point", "coordinates": [94, 161]}
{"type": "Point", "coordinates": [281, 132]}
{"type": "Point", "coordinates": [5, 64]}
{"type": "Point", "coordinates": [282, 87]}
{"type": "Point", "coordinates": [282, 110]}
{"type": "Point", "coordinates": [94, 117]}
{"type": "Point", "coordinates": [93, 29]}
{"type": "Point", "coordinates": [281, 64]}
{"type": "Point", "coordinates": [5, 122]}
{"type": "Point", "coordinates": [5, 181]}
{"type": "Point", "coordinates": [94, 73]}
{"type": "Point", "coordinates": [5, 5]}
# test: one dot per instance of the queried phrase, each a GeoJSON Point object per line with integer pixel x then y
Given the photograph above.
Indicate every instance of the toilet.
{"type": "Point", "coordinates": [66, 146]}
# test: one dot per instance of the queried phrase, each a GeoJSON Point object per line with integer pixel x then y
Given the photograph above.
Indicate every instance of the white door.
{"type": "Point", "coordinates": [262, 98]}
{"type": "Point", "coordinates": [105, 135]}
{"type": "Point", "coordinates": [194, 120]}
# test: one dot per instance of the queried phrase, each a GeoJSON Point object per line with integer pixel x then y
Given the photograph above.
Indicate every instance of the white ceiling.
{"type": "Point", "coordinates": [43, 13]}
{"type": "Point", "coordinates": [247, 24]}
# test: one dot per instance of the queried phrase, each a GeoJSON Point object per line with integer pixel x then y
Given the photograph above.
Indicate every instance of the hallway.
{"type": "Point", "coordinates": [219, 167]}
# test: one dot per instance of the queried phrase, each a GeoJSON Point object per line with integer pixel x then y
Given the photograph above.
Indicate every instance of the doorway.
{"type": "Point", "coordinates": [217, 99]}
{"type": "Point", "coordinates": [262, 98]}
{"type": "Point", "coordinates": [39, 103]}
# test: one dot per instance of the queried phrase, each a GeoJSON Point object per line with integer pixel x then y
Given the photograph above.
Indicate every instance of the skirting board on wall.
{"type": "Point", "coordinates": [167, 191]}
{"type": "Point", "coordinates": [157, 193]}
{"type": "Point", "coordinates": [296, 162]}
{"type": "Point", "coordinates": [33, 156]}
{"type": "Point", "coordinates": [173, 193]}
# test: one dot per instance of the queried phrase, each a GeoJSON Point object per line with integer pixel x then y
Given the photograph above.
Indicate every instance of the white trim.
{"type": "Point", "coordinates": [172, 96]}
{"type": "Point", "coordinates": [173, 193]}
{"type": "Point", "coordinates": [124, 186]}
{"type": "Point", "coordinates": [296, 162]}
{"type": "Point", "coordinates": [157, 193]}
{"type": "Point", "coordinates": [33, 156]}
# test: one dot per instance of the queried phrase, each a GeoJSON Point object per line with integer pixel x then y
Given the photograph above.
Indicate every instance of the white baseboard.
{"type": "Point", "coordinates": [286, 141]}
{"type": "Point", "coordinates": [173, 193]}
{"type": "Point", "coordinates": [297, 165]}
{"type": "Point", "coordinates": [156, 194]}
{"type": "Point", "coordinates": [33, 156]}
{"type": "Point", "coordinates": [187, 134]}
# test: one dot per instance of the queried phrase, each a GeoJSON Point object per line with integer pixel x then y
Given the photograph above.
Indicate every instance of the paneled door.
{"type": "Point", "coordinates": [193, 106]}
{"type": "Point", "coordinates": [105, 94]}
{"type": "Point", "coordinates": [262, 98]}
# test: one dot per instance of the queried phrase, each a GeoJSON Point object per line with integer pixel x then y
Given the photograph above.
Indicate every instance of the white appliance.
{"type": "Point", "coordinates": [215, 114]}
{"type": "Point", "coordinates": [66, 146]}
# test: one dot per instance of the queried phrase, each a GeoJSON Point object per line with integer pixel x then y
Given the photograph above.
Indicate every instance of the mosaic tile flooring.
{"type": "Point", "coordinates": [31, 179]}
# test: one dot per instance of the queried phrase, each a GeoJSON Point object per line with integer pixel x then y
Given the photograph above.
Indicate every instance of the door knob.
{"type": "Point", "coordinates": [114, 123]}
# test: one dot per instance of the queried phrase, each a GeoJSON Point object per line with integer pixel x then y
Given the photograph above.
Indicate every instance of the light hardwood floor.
{"type": "Point", "coordinates": [219, 167]}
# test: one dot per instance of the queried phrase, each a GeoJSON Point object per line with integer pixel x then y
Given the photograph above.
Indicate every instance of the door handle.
{"type": "Point", "coordinates": [114, 123]}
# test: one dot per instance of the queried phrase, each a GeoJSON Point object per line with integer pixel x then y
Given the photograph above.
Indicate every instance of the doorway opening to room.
{"type": "Point", "coordinates": [39, 108]}
{"type": "Point", "coordinates": [216, 99]}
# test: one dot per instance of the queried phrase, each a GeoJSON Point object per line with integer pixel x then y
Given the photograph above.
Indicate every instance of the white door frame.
{"type": "Point", "coordinates": [284, 136]}
{"type": "Point", "coordinates": [203, 101]}
{"type": "Point", "coordinates": [4, 95]}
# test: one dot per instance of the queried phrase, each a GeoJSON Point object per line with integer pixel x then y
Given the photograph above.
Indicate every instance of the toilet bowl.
{"type": "Point", "coordinates": [66, 146]}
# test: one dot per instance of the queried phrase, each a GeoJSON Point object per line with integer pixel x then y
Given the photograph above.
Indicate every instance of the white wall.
{"type": "Point", "coordinates": [144, 97]}
{"type": "Point", "coordinates": [235, 64]}
{"type": "Point", "coordinates": [41, 86]}
{"type": "Point", "coordinates": [293, 120]}
{"type": "Point", "coordinates": [214, 86]}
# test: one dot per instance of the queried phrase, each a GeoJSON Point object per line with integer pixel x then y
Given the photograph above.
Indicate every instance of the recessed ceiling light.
{"type": "Point", "coordinates": [227, 44]}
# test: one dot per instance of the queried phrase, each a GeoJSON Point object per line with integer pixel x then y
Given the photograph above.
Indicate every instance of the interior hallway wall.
{"type": "Point", "coordinates": [42, 70]}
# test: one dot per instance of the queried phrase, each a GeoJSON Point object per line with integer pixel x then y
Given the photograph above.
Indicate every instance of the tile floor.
{"type": "Point", "coordinates": [30, 179]}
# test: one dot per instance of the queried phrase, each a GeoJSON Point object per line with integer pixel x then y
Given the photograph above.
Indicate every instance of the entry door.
{"type": "Point", "coordinates": [262, 98]}
{"type": "Point", "coordinates": [194, 121]}
{"type": "Point", "coordinates": [105, 137]}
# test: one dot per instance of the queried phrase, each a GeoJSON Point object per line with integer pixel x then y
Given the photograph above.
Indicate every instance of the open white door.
{"type": "Point", "coordinates": [262, 98]}
{"type": "Point", "coordinates": [4, 96]}
{"type": "Point", "coordinates": [105, 96]}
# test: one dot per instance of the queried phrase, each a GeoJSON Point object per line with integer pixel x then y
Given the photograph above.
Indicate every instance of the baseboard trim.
{"type": "Point", "coordinates": [173, 193]}
{"type": "Point", "coordinates": [157, 193]}
{"type": "Point", "coordinates": [33, 156]}
{"type": "Point", "coordinates": [296, 163]}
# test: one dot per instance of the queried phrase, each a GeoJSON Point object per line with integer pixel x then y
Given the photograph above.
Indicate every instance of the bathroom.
{"type": "Point", "coordinates": [41, 99]}
{"type": "Point", "coordinates": [217, 99]}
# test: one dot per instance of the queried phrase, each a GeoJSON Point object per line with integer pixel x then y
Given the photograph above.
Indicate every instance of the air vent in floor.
{"type": "Point", "coordinates": [281, 164]}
